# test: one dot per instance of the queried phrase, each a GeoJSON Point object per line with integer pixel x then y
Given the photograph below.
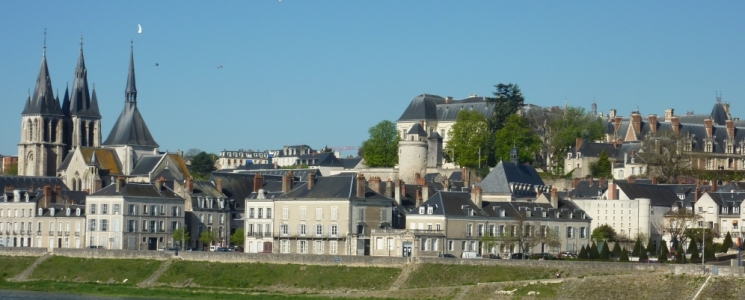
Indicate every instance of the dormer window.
{"type": "Point", "coordinates": [77, 212]}
{"type": "Point", "coordinates": [430, 210]}
{"type": "Point", "coordinates": [558, 215]}
{"type": "Point", "coordinates": [67, 212]}
{"type": "Point", "coordinates": [41, 211]}
{"type": "Point", "coordinates": [543, 214]}
{"type": "Point", "coordinates": [421, 210]}
{"type": "Point", "coordinates": [571, 215]}
{"type": "Point", "coordinates": [579, 154]}
{"type": "Point", "coordinates": [528, 213]}
{"type": "Point", "coordinates": [501, 213]}
{"type": "Point", "coordinates": [51, 211]}
{"type": "Point", "coordinates": [569, 155]}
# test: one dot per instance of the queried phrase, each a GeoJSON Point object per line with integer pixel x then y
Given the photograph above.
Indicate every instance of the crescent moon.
{"type": "Point", "coordinates": [139, 28]}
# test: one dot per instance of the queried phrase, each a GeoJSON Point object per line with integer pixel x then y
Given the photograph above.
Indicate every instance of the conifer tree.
{"type": "Point", "coordinates": [709, 253]}
{"type": "Point", "coordinates": [662, 254]}
{"type": "Point", "coordinates": [624, 255]}
{"type": "Point", "coordinates": [680, 256]}
{"type": "Point", "coordinates": [605, 253]}
{"type": "Point", "coordinates": [617, 249]}
{"type": "Point", "coordinates": [582, 253]}
{"type": "Point", "coordinates": [693, 250]}
{"type": "Point", "coordinates": [727, 243]}
{"type": "Point", "coordinates": [650, 247]}
{"type": "Point", "coordinates": [637, 247]}
{"type": "Point", "coordinates": [643, 254]}
{"type": "Point", "coordinates": [594, 254]}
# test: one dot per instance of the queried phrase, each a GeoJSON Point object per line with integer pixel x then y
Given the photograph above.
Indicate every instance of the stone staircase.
{"type": "Point", "coordinates": [27, 272]}
{"type": "Point", "coordinates": [153, 278]}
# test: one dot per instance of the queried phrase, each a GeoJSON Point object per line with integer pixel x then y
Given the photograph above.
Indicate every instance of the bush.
{"type": "Point", "coordinates": [617, 249]}
{"type": "Point", "coordinates": [662, 254]}
{"type": "Point", "coordinates": [650, 247]}
{"type": "Point", "coordinates": [727, 243]}
{"type": "Point", "coordinates": [605, 254]}
{"type": "Point", "coordinates": [679, 256]}
{"type": "Point", "coordinates": [582, 253]}
{"type": "Point", "coordinates": [709, 254]}
{"type": "Point", "coordinates": [693, 250]}
{"type": "Point", "coordinates": [643, 254]}
{"type": "Point", "coordinates": [624, 255]}
{"type": "Point", "coordinates": [594, 254]}
{"type": "Point", "coordinates": [637, 247]}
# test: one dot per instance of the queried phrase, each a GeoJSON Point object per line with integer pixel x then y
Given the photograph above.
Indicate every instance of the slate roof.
{"type": "Point", "coordinates": [60, 211]}
{"type": "Point", "coordinates": [417, 130]}
{"type": "Point", "coordinates": [137, 190]}
{"type": "Point", "coordinates": [204, 189]}
{"type": "Point", "coordinates": [350, 163]}
{"type": "Point", "coordinates": [332, 188]}
{"type": "Point", "coordinates": [299, 174]}
{"type": "Point", "coordinates": [422, 107]}
{"type": "Point", "coordinates": [727, 199]}
{"type": "Point", "coordinates": [43, 101]}
{"type": "Point", "coordinates": [505, 173]}
{"type": "Point", "coordinates": [235, 185]}
{"type": "Point", "coordinates": [326, 159]}
{"type": "Point", "coordinates": [146, 164]}
{"type": "Point", "coordinates": [449, 112]}
{"type": "Point", "coordinates": [658, 195]}
{"type": "Point", "coordinates": [585, 190]}
{"type": "Point", "coordinates": [26, 182]}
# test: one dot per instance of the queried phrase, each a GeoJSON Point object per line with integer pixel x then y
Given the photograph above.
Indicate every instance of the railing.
{"type": "Point", "coordinates": [259, 234]}
{"type": "Point", "coordinates": [38, 232]}
{"type": "Point", "coordinates": [77, 233]}
{"type": "Point", "coordinates": [59, 232]}
{"type": "Point", "coordinates": [22, 232]}
{"type": "Point", "coordinates": [414, 231]}
{"type": "Point", "coordinates": [67, 233]}
{"type": "Point", "coordinates": [51, 232]}
{"type": "Point", "coordinates": [28, 232]}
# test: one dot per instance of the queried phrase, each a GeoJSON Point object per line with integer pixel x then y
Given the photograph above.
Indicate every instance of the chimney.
{"type": "Point", "coordinates": [311, 180]}
{"type": "Point", "coordinates": [9, 188]}
{"type": "Point", "coordinates": [159, 183]}
{"type": "Point", "coordinates": [654, 180]}
{"type": "Point", "coordinates": [219, 184]}
{"type": "Point", "coordinates": [360, 185]}
{"type": "Point", "coordinates": [612, 191]}
{"type": "Point", "coordinates": [575, 183]}
{"type": "Point", "coordinates": [418, 179]}
{"type": "Point", "coordinates": [714, 185]}
{"type": "Point", "coordinates": [397, 189]}
{"type": "Point", "coordinates": [97, 184]}
{"type": "Point", "coordinates": [476, 195]}
{"type": "Point", "coordinates": [636, 119]}
{"type": "Point", "coordinates": [612, 114]}
{"type": "Point", "coordinates": [708, 123]}
{"type": "Point", "coordinates": [47, 196]}
{"type": "Point", "coordinates": [389, 188]}
{"type": "Point", "coordinates": [601, 182]}
{"type": "Point", "coordinates": [631, 179]}
{"type": "Point", "coordinates": [577, 144]}
{"type": "Point", "coordinates": [592, 180]}
{"type": "Point", "coordinates": [448, 100]}
{"type": "Point", "coordinates": [190, 185]}
{"type": "Point", "coordinates": [697, 194]}
{"type": "Point", "coordinates": [119, 183]}
{"type": "Point", "coordinates": [554, 198]}
{"type": "Point", "coordinates": [418, 197]}
{"type": "Point", "coordinates": [259, 181]}
{"type": "Point", "coordinates": [425, 191]}
{"type": "Point", "coordinates": [669, 114]}
{"type": "Point", "coordinates": [653, 122]}
{"type": "Point", "coordinates": [58, 190]}
{"type": "Point", "coordinates": [617, 123]}
{"type": "Point", "coordinates": [730, 128]}
{"type": "Point", "coordinates": [676, 124]}
{"type": "Point", "coordinates": [287, 181]}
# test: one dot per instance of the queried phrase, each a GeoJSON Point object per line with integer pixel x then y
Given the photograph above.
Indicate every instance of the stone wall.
{"type": "Point", "coordinates": [115, 254]}
{"type": "Point", "coordinates": [236, 257]}
{"type": "Point", "coordinates": [22, 251]}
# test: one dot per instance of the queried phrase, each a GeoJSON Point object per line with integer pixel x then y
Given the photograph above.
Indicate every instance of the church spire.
{"type": "Point", "coordinates": [42, 103]}
{"type": "Point", "coordinates": [66, 101]}
{"type": "Point", "coordinates": [80, 101]}
{"type": "Point", "coordinates": [130, 94]}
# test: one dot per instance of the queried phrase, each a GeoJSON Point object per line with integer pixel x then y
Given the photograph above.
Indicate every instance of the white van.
{"type": "Point", "coordinates": [470, 255]}
{"type": "Point", "coordinates": [213, 248]}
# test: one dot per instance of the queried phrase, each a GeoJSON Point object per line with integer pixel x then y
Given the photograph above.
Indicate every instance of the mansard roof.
{"type": "Point", "coordinates": [506, 173]}
{"type": "Point", "coordinates": [137, 190]}
{"type": "Point", "coordinates": [27, 182]}
{"type": "Point", "coordinates": [422, 107]}
{"type": "Point", "coordinates": [432, 107]}
{"type": "Point", "coordinates": [342, 187]}
{"type": "Point", "coordinates": [659, 195]}
{"type": "Point", "coordinates": [43, 101]}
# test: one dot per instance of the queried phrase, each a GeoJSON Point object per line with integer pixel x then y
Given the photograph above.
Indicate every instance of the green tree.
{"type": "Point", "coordinates": [488, 241]}
{"type": "Point", "coordinates": [563, 131]}
{"type": "Point", "coordinates": [582, 253]}
{"type": "Point", "coordinates": [209, 237]}
{"type": "Point", "coordinates": [693, 250]}
{"type": "Point", "coordinates": [616, 249]}
{"type": "Point", "coordinates": [507, 100]}
{"type": "Point", "coordinates": [709, 254]}
{"type": "Point", "coordinates": [650, 247]}
{"type": "Point", "coordinates": [727, 243]}
{"type": "Point", "coordinates": [662, 254]}
{"type": "Point", "coordinates": [516, 133]}
{"type": "Point", "coordinates": [602, 167]}
{"type": "Point", "coordinates": [191, 153]}
{"type": "Point", "coordinates": [604, 233]}
{"type": "Point", "coordinates": [181, 236]}
{"type": "Point", "coordinates": [594, 254]}
{"type": "Point", "coordinates": [238, 237]}
{"type": "Point", "coordinates": [643, 254]}
{"type": "Point", "coordinates": [605, 253]}
{"type": "Point", "coordinates": [381, 149]}
{"type": "Point", "coordinates": [202, 165]}
{"type": "Point", "coordinates": [11, 169]}
{"type": "Point", "coordinates": [468, 139]}
{"type": "Point", "coordinates": [624, 255]}
{"type": "Point", "coordinates": [679, 255]}
{"type": "Point", "coordinates": [637, 248]}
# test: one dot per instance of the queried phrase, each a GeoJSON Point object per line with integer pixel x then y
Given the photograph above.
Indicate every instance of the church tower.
{"type": "Point", "coordinates": [41, 149]}
{"type": "Point", "coordinates": [84, 116]}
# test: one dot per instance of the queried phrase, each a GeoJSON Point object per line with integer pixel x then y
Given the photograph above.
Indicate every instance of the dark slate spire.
{"type": "Point", "coordinates": [43, 102]}
{"type": "Point", "coordinates": [93, 109]}
{"type": "Point", "coordinates": [28, 103]}
{"type": "Point", "coordinates": [66, 102]}
{"type": "Point", "coordinates": [130, 128]}
{"type": "Point", "coordinates": [94, 161]}
{"type": "Point", "coordinates": [80, 101]}
{"type": "Point", "coordinates": [130, 94]}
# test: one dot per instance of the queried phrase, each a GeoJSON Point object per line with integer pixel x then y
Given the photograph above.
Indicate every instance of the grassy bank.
{"type": "Point", "coordinates": [259, 275]}
{"type": "Point", "coordinates": [71, 269]}
{"type": "Point", "coordinates": [10, 266]}
{"type": "Point", "coordinates": [431, 275]}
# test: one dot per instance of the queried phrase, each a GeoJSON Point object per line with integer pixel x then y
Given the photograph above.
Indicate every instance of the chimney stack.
{"type": "Point", "coordinates": [476, 195]}
{"type": "Point", "coordinates": [669, 114]}
{"type": "Point", "coordinates": [636, 119]}
{"type": "Point", "coordinates": [159, 183]}
{"type": "Point", "coordinates": [47, 196]}
{"type": "Point", "coordinates": [653, 122]}
{"type": "Point", "coordinates": [360, 185]}
{"type": "Point", "coordinates": [714, 185]}
{"type": "Point", "coordinates": [418, 197]}
{"type": "Point", "coordinates": [287, 181]}
{"type": "Point", "coordinates": [612, 191]}
{"type": "Point", "coordinates": [676, 124]}
{"type": "Point", "coordinates": [58, 190]}
{"type": "Point", "coordinates": [397, 189]}
{"type": "Point", "coordinates": [709, 124]}
{"type": "Point", "coordinates": [259, 182]}
{"type": "Point", "coordinates": [577, 144]}
{"type": "Point", "coordinates": [219, 184]}
{"type": "Point", "coordinates": [602, 181]}
{"type": "Point", "coordinates": [311, 180]}
{"type": "Point", "coordinates": [425, 191]}
{"type": "Point", "coordinates": [696, 194]}
{"type": "Point", "coordinates": [617, 123]}
{"type": "Point", "coordinates": [190, 185]}
{"type": "Point", "coordinates": [654, 180]}
{"type": "Point", "coordinates": [389, 188]}
{"type": "Point", "coordinates": [631, 179]}
{"type": "Point", "coordinates": [554, 198]}
{"type": "Point", "coordinates": [730, 128]}
{"type": "Point", "coordinates": [592, 181]}
{"type": "Point", "coordinates": [119, 183]}
{"type": "Point", "coordinates": [448, 100]}
{"type": "Point", "coordinates": [418, 179]}
{"type": "Point", "coordinates": [575, 183]}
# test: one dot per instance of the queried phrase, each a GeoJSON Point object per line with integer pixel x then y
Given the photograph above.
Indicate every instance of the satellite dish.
{"type": "Point", "coordinates": [139, 28]}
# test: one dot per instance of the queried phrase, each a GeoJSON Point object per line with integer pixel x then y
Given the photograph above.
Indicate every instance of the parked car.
{"type": "Point", "coordinates": [519, 256]}
{"type": "Point", "coordinates": [567, 254]}
{"type": "Point", "coordinates": [447, 255]}
{"type": "Point", "coordinates": [95, 247]}
{"type": "Point", "coordinates": [213, 248]}
{"type": "Point", "coordinates": [492, 256]}
{"type": "Point", "coordinates": [542, 255]}
{"type": "Point", "coordinates": [470, 255]}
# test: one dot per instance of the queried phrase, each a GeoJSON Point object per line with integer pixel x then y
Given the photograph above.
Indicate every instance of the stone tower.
{"type": "Point", "coordinates": [84, 116]}
{"type": "Point", "coordinates": [412, 155]}
{"type": "Point", "coordinates": [41, 149]}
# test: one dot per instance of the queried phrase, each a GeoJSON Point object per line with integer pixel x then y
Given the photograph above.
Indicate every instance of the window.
{"type": "Point", "coordinates": [334, 230]}
{"type": "Point", "coordinates": [379, 243]}
{"type": "Point", "coordinates": [144, 209]}
{"type": "Point", "coordinates": [91, 225]}
{"type": "Point", "coordinates": [104, 209]}
{"type": "Point", "coordinates": [319, 213]}
{"type": "Point", "coordinates": [421, 210]}
{"type": "Point", "coordinates": [162, 226]}
{"type": "Point", "coordinates": [360, 214]}
{"type": "Point", "coordinates": [583, 232]}
{"type": "Point", "coordinates": [284, 246]}
{"type": "Point", "coordinates": [209, 218]}
{"type": "Point", "coordinates": [469, 229]}
{"type": "Point", "coordinates": [302, 246]}
{"type": "Point", "coordinates": [430, 209]}
{"type": "Point", "coordinates": [463, 245]}
{"type": "Point", "coordinates": [450, 245]}
{"type": "Point", "coordinates": [319, 230]}
{"type": "Point", "coordinates": [131, 226]}
{"type": "Point", "coordinates": [104, 225]}
{"type": "Point", "coordinates": [481, 230]}
{"type": "Point", "coordinates": [284, 229]}
{"type": "Point", "coordinates": [285, 213]}
{"type": "Point", "coordinates": [93, 209]}
{"type": "Point", "coordinates": [222, 219]}
{"type": "Point", "coordinates": [711, 210]}
{"type": "Point", "coordinates": [437, 226]}
{"type": "Point", "coordinates": [302, 230]}
{"type": "Point", "coordinates": [268, 213]}
{"type": "Point", "coordinates": [251, 213]}
{"type": "Point", "coordinates": [132, 210]}
{"type": "Point", "coordinates": [334, 213]}
{"type": "Point", "coordinates": [260, 213]}
{"type": "Point", "coordinates": [116, 209]}
{"type": "Point", "coordinates": [302, 213]}
{"type": "Point", "coordinates": [201, 218]}
{"type": "Point", "coordinates": [570, 232]}
{"type": "Point", "coordinates": [333, 247]}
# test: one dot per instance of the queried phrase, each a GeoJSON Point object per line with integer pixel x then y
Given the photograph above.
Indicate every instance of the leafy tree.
{"type": "Point", "coordinates": [650, 247]}
{"type": "Point", "coordinates": [680, 256]}
{"type": "Point", "coordinates": [381, 149]}
{"type": "Point", "coordinates": [468, 137]}
{"type": "Point", "coordinates": [637, 248]}
{"type": "Point", "coordinates": [516, 133]}
{"type": "Point", "coordinates": [602, 167]}
{"type": "Point", "coordinates": [624, 255]}
{"type": "Point", "coordinates": [665, 156]}
{"type": "Point", "coordinates": [191, 153]}
{"type": "Point", "coordinates": [693, 250]}
{"type": "Point", "coordinates": [209, 237]}
{"type": "Point", "coordinates": [605, 253]}
{"type": "Point", "coordinates": [507, 100]}
{"type": "Point", "coordinates": [604, 233]}
{"type": "Point", "coordinates": [11, 169]}
{"type": "Point", "coordinates": [594, 254]}
{"type": "Point", "coordinates": [582, 253]}
{"type": "Point", "coordinates": [616, 249]}
{"type": "Point", "coordinates": [662, 254]}
{"type": "Point", "coordinates": [488, 241]}
{"type": "Point", "coordinates": [563, 131]}
{"type": "Point", "coordinates": [202, 165]}
{"type": "Point", "coordinates": [238, 237]}
{"type": "Point", "coordinates": [727, 243]}
{"type": "Point", "coordinates": [181, 235]}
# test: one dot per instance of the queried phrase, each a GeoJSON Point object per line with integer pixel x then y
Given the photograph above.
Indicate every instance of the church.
{"type": "Point", "coordinates": [65, 140]}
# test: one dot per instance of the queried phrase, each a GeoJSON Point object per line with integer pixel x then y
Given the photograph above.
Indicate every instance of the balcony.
{"type": "Point", "coordinates": [51, 232]}
{"type": "Point", "coordinates": [381, 231]}
{"type": "Point", "coordinates": [67, 233]}
{"type": "Point", "coordinates": [59, 232]}
{"type": "Point", "coordinates": [38, 232]}
{"type": "Point", "coordinates": [28, 232]}
{"type": "Point", "coordinates": [259, 234]}
{"type": "Point", "coordinates": [77, 233]}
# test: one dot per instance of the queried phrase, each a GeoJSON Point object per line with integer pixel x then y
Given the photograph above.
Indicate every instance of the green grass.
{"type": "Point", "coordinates": [71, 269]}
{"type": "Point", "coordinates": [431, 275]}
{"type": "Point", "coordinates": [10, 266]}
{"type": "Point", "coordinates": [150, 293]}
{"type": "Point", "coordinates": [257, 275]}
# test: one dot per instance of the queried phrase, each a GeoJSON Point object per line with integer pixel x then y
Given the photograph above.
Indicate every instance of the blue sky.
{"type": "Point", "coordinates": [323, 72]}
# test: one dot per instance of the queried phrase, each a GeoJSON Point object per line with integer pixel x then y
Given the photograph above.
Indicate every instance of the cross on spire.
{"type": "Point", "coordinates": [81, 42]}
{"type": "Point", "coordinates": [45, 42]}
